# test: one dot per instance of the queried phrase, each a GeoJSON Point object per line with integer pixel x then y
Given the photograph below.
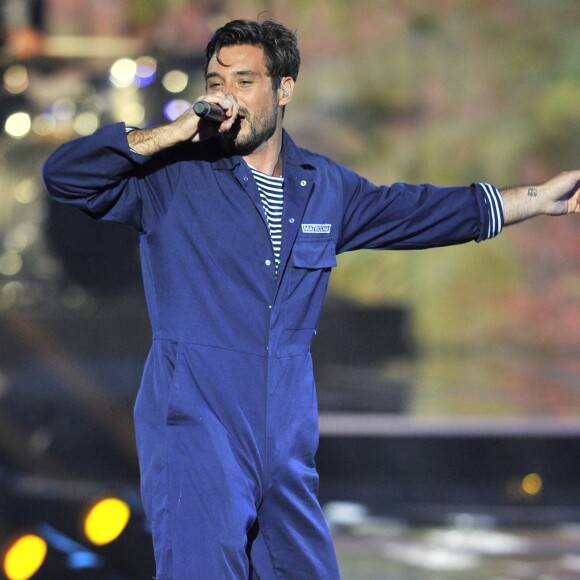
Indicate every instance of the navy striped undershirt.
{"type": "Point", "coordinates": [494, 205]}
{"type": "Point", "coordinates": [272, 195]}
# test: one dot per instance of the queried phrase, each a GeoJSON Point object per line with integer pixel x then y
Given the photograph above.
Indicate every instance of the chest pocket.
{"type": "Point", "coordinates": [310, 266]}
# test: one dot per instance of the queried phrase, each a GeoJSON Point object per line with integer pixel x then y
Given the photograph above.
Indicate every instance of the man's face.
{"type": "Point", "coordinates": [240, 71]}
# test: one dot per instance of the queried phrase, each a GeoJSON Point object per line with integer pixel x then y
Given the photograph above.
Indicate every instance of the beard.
{"type": "Point", "coordinates": [259, 128]}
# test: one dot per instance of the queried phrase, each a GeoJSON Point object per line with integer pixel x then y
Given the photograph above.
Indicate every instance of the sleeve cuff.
{"type": "Point", "coordinates": [127, 131]}
{"type": "Point", "coordinates": [494, 207]}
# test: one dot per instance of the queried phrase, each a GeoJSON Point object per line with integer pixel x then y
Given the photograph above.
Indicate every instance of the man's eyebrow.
{"type": "Point", "coordinates": [247, 73]}
{"type": "Point", "coordinates": [239, 73]}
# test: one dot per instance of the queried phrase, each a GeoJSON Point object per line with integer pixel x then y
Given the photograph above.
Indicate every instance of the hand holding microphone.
{"type": "Point", "coordinates": [210, 115]}
{"type": "Point", "coordinates": [214, 112]}
{"type": "Point", "coordinates": [210, 111]}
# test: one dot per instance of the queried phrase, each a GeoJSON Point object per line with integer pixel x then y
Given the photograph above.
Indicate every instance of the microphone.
{"type": "Point", "coordinates": [206, 110]}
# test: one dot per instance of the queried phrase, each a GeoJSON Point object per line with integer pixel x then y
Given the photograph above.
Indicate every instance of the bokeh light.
{"type": "Point", "coordinates": [26, 191]}
{"type": "Point", "coordinates": [175, 81]}
{"type": "Point", "coordinates": [174, 108]}
{"type": "Point", "coordinates": [86, 123]}
{"type": "Point", "coordinates": [44, 124]}
{"type": "Point", "coordinates": [15, 79]}
{"type": "Point", "coordinates": [532, 484]}
{"type": "Point", "coordinates": [24, 557]}
{"type": "Point", "coordinates": [18, 125]}
{"type": "Point", "coordinates": [132, 112]}
{"type": "Point", "coordinates": [123, 72]}
{"type": "Point", "coordinates": [10, 263]}
{"type": "Point", "coordinates": [106, 520]}
{"type": "Point", "coordinates": [21, 237]}
{"type": "Point", "coordinates": [146, 68]}
{"type": "Point", "coordinates": [64, 108]}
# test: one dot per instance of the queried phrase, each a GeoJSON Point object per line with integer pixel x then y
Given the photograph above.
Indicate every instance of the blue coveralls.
{"type": "Point", "coordinates": [226, 415]}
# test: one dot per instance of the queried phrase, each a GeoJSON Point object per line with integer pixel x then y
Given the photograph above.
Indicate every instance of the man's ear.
{"type": "Point", "coordinates": [286, 90]}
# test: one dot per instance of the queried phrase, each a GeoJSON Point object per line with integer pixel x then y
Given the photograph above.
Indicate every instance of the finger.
{"type": "Point", "coordinates": [233, 103]}
{"type": "Point", "coordinates": [231, 113]}
{"type": "Point", "coordinates": [231, 109]}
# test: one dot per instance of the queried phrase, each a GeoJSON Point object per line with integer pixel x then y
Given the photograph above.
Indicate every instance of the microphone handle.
{"type": "Point", "coordinates": [206, 110]}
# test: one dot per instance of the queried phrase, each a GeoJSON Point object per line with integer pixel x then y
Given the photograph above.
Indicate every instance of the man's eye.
{"type": "Point", "coordinates": [214, 86]}
{"type": "Point", "coordinates": [245, 83]}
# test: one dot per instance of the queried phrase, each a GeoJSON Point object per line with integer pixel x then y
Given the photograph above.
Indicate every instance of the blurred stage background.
{"type": "Point", "coordinates": [449, 380]}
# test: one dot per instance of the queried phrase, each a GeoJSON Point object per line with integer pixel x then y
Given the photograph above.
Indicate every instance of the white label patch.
{"type": "Point", "coordinates": [316, 228]}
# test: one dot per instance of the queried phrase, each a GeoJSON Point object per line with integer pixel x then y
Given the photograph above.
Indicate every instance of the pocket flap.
{"type": "Point", "coordinates": [314, 254]}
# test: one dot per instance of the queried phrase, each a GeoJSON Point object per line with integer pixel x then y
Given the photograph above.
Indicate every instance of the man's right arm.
{"type": "Point", "coordinates": [95, 173]}
{"type": "Point", "coordinates": [187, 127]}
{"type": "Point", "coordinates": [150, 141]}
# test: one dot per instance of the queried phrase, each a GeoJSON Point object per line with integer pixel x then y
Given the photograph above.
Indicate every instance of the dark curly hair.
{"type": "Point", "coordinates": [279, 44]}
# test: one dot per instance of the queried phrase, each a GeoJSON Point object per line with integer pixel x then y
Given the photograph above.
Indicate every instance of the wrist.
{"type": "Point", "coordinates": [151, 141]}
{"type": "Point", "coordinates": [522, 202]}
{"type": "Point", "coordinates": [535, 200]}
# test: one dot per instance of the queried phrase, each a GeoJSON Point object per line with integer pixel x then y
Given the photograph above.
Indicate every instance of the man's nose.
{"type": "Point", "coordinates": [230, 90]}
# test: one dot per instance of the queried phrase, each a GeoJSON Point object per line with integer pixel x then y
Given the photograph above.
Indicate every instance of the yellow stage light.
{"type": "Point", "coordinates": [105, 520]}
{"type": "Point", "coordinates": [532, 484]}
{"type": "Point", "coordinates": [24, 557]}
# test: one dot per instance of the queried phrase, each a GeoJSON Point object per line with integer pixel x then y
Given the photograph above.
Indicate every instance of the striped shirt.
{"type": "Point", "coordinates": [272, 195]}
{"type": "Point", "coordinates": [494, 206]}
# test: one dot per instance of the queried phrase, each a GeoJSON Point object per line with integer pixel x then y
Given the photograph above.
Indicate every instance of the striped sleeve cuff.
{"type": "Point", "coordinates": [138, 157]}
{"type": "Point", "coordinates": [494, 206]}
{"type": "Point", "coordinates": [127, 131]}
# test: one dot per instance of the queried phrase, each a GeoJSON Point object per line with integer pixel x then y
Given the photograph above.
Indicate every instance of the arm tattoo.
{"type": "Point", "coordinates": [532, 192]}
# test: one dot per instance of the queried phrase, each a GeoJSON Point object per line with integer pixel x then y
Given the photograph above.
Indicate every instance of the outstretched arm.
{"type": "Point", "coordinates": [557, 196]}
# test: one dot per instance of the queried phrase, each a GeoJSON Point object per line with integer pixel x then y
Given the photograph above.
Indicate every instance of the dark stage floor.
{"type": "Point", "coordinates": [377, 549]}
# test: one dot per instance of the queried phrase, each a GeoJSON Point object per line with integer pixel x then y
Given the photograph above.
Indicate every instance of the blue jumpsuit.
{"type": "Point", "coordinates": [226, 415]}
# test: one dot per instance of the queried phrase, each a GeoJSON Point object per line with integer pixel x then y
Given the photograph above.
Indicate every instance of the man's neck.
{"type": "Point", "coordinates": [268, 158]}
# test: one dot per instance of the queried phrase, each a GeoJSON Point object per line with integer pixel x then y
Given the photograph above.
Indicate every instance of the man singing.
{"type": "Point", "coordinates": [239, 230]}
